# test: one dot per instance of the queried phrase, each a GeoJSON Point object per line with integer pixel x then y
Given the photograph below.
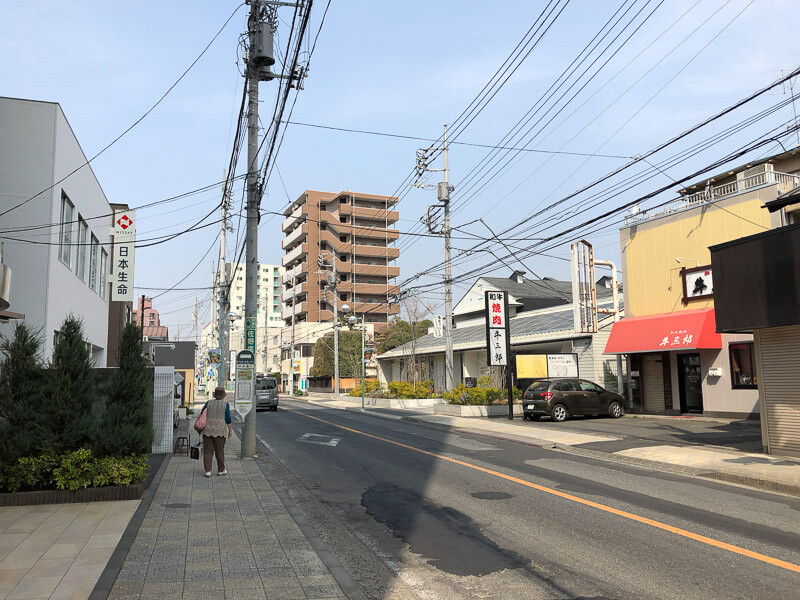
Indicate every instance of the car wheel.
{"type": "Point", "coordinates": [615, 410]}
{"type": "Point", "coordinates": [535, 417]}
{"type": "Point", "coordinates": [559, 413]}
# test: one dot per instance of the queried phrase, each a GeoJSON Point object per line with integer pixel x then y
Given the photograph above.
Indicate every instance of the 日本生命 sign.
{"type": "Point", "coordinates": [245, 382]}
{"type": "Point", "coordinates": [497, 332]}
{"type": "Point", "coordinates": [124, 232]}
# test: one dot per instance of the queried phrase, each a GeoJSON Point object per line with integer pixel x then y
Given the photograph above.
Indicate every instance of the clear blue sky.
{"type": "Point", "coordinates": [398, 67]}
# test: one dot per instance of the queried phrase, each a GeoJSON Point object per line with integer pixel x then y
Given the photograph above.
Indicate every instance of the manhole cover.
{"type": "Point", "coordinates": [491, 495]}
{"type": "Point", "coordinates": [176, 505]}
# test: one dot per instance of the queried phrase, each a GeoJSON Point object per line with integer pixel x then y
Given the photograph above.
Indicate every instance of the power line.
{"type": "Point", "coordinates": [135, 123]}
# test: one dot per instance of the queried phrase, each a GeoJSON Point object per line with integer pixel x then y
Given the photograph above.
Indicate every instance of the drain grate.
{"type": "Point", "coordinates": [177, 505]}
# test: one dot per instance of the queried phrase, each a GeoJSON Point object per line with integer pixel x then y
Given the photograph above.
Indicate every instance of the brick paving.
{"type": "Point", "coordinates": [220, 538]}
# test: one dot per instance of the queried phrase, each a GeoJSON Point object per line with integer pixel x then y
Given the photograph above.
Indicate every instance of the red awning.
{"type": "Point", "coordinates": [681, 330]}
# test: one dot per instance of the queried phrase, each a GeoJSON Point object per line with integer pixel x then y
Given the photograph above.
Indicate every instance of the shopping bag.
{"type": "Point", "coordinates": [200, 424]}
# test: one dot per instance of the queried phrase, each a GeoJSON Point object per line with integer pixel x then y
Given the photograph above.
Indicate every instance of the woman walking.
{"type": "Point", "coordinates": [218, 419]}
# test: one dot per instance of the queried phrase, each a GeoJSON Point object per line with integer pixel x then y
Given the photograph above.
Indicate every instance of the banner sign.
{"type": "Point", "coordinates": [498, 338]}
{"type": "Point", "coordinates": [250, 334]}
{"type": "Point", "coordinates": [245, 382]}
{"type": "Point", "coordinates": [124, 232]}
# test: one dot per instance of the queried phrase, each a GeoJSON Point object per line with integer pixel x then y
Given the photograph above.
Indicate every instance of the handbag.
{"type": "Point", "coordinates": [194, 451]}
{"type": "Point", "coordinates": [200, 424]}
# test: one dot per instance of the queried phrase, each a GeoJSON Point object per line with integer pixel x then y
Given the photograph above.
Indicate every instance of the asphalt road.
{"type": "Point", "coordinates": [415, 512]}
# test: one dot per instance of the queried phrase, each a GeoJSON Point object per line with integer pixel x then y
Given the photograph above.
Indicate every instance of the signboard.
{"type": "Point", "coordinates": [250, 333]}
{"type": "Point", "coordinates": [214, 356]}
{"type": "Point", "coordinates": [232, 365]}
{"type": "Point", "coordinates": [296, 365]}
{"type": "Point", "coordinates": [698, 283]}
{"type": "Point", "coordinates": [531, 366]}
{"type": "Point", "coordinates": [368, 352]}
{"type": "Point", "coordinates": [536, 366]}
{"type": "Point", "coordinates": [438, 326]}
{"type": "Point", "coordinates": [562, 365]}
{"type": "Point", "coordinates": [124, 232]}
{"type": "Point", "coordinates": [304, 383]}
{"type": "Point", "coordinates": [245, 382]}
{"type": "Point", "coordinates": [497, 332]}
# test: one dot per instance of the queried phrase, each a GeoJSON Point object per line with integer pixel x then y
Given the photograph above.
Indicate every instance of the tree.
{"type": "Point", "coordinates": [22, 426]}
{"type": "Point", "coordinates": [70, 390]}
{"type": "Point", "coordinates": [405, 333]}
{"type": "Point", "coordinates": [127, 424]}
{"type": "Point", "coordinates": [349, 354]}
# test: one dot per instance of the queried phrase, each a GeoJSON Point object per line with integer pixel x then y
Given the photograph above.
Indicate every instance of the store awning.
{"type": "Point", "coordinates": [681, 330]}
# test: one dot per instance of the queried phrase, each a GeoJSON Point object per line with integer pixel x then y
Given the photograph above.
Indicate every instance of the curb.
{"type": "Point", "coordinates": [108, 577]}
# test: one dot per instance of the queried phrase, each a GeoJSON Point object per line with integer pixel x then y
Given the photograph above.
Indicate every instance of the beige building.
{"type": "Point", "coordinates": [677, 360]}
{"type": "Point", "coordinates": [357, 228]}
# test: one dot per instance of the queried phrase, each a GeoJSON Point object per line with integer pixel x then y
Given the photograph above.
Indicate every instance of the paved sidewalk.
{"type": "Point", "coordinates": [221, 538]}
{"type": "Point", "coordinates": [762, 471]}
{"type": "Point", "coordinates": [58, 551]}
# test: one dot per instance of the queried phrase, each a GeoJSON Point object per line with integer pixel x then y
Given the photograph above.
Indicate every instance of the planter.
{"type": "Point", "coordinates": [474, 410]}
{"type": "Point", "coordinates": [402, 402]}
{"type": "Point", "coordinates": [99, 494]}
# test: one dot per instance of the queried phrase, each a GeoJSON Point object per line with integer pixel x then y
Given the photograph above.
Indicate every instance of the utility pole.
{"type": "Point", "coordinates": [141, 316]}
{"type": "Point", "coordinates": [222, 288]}
{"type": "Point", "coordinates": [444, 196]}
{"type": "Point", "coordinates": [443, 190]}
{"type": "Point", "coordinates": [291, 346]}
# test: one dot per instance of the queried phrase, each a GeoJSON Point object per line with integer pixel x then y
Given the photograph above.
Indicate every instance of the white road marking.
{"type": "Point", "coordinates": [325, 441]}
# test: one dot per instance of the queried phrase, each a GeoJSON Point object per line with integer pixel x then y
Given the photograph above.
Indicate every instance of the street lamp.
{"type": "Point", "coordinates": [353, 321]}
{"type": "Point", "coordinates": [286, 346]}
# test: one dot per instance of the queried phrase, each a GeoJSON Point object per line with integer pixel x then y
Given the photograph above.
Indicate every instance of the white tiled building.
{"type": "Point", "coordinates": [60, 268]}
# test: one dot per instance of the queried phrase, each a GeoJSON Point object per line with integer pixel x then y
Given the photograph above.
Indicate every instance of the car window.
{"type": "Point", "coordinates": [564, 386]}
{"type": "Point", "coordinates": [588, 386]}
{"type": "Point", "coordinates": [269, 383]}
{"type": "Point", "coordinates": [539, 386]}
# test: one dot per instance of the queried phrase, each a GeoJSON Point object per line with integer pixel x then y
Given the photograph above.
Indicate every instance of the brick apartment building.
{"type": "Point", "coordinates": [357, 227]}
{"type": "Point", "coordinates": [153, 330]}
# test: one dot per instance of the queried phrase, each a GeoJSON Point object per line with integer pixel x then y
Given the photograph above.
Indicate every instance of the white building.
{"type": "Point", "coordinates": [57, 241]}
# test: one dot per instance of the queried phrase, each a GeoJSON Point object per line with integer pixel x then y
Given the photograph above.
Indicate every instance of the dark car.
{"type": "Point", "coordinates": [266, 393]}
{"type": "Point", "coordinates": [562, 398]}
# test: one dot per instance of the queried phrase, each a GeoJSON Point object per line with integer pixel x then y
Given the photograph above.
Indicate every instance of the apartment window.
{"type": "Point", "coordinates": [103, 272]}
{"type": "Point", "coordinates": [343, 219]}
{"type": "Point", "coordinates": [93, 257]}
{"type": "Point", "coordinates": [66, 235]}
{"type": "Point", "coordinates": [83, 233]}
{"type": "Point", "coordinates": [743, 365]}
{"type": "Point", "coordinates": [307, 351]}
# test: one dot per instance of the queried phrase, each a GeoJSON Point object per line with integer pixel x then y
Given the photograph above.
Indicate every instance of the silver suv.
{"type": "Point", "coordinates": [266, 393]}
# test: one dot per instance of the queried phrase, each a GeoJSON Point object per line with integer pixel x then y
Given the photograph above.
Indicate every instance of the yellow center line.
{"type": "Point", "coordinates": [609, 509]}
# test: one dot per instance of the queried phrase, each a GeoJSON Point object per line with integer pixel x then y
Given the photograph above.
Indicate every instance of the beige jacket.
{"type": "Point", "coordinates": [215, 418]}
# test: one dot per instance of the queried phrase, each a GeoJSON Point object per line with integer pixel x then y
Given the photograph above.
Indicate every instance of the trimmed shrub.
{"type": "Point", "coordinates": [483, 394]}
{"type": "Point", "coordinates": [70, 391]}
{"type": "Point", "coordinates": [407, 390]}
{"type": "Point", "coordinates": [72, 471]}
{"type": "Point", "coordinates": [127, 424]}
{"type": "Point", "coordinates": [371, 386]}
{"type": "Point", "coordinates": [23, 428]}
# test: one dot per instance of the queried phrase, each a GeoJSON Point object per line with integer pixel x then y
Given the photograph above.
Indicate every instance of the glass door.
{"type": "Point", "coordinates": [691, 383]}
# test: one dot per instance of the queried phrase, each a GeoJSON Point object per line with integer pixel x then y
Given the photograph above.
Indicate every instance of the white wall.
{"type": "Point", "coordinates": [45, 289]}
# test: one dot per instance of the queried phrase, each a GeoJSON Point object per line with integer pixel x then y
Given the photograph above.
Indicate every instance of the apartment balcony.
{"type": "Point", "coordinates": [376, 251]}
{"type": "Point", "coordinates": [299, 309]}
{"type": "Point", "coordinates": [377, 308]}
{"type": "Point", "coordinates": [297, 254]}
{"type": "Point", "coordinates": [376, 214]}
{"type": "Point", "coordinates": [747, 181]}
{"type": "Point", "coordinates": [295, 237]}
{"type": "Point", "coordinates": [368, 288]}
{"type": "Point", "coordinates": [295, 271]}
{"type": "Point", "coordinates": [377, 270]}
{"type": "Point", "coordinates": [298, 215]}
{"type": "Point", "coordinates": [337, 227]}
{"type": "Point", "coordinates": [298, 290]}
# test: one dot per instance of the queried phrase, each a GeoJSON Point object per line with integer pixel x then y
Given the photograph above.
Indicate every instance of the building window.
{"type": "Point", "coordinates": [307, 351]}
{"type": "Point", "coordinates": [66, 237]}
{"type": "Point", "coordinates": [93, 249]}
{"type": "Point", "coordinates": [103, 269]}
{"type": "Point", "coordinates": [743, 365]}
{"type": "Point", "coordinates": [83, 234]}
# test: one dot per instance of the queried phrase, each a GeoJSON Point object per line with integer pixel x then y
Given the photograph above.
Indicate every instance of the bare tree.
{"type": "Point", "coordinates": [415, 310]}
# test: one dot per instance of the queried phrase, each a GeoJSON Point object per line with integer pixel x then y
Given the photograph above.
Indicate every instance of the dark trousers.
{"type": "Point", "coordinates": [214, 446]}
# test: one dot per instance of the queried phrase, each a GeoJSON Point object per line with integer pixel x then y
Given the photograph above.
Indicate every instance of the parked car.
{"type": "Point", "coordinates": [201, 387]}
{"type": "Point", "coordinates": [563, 398]}
{"type": "Point", "coordinates": [266, 393]}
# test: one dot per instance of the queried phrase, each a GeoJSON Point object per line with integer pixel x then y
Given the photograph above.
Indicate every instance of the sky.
{"type": "Point", "coordinates": [404, 68]}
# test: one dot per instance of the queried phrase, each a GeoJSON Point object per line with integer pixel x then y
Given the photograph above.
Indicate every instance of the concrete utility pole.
{"type": "Point", "coordinates": [222, 289]}
{"type": "Point", "coordinates": [444, 196]}
{"type": "Point", "coordinates": [291, 345]}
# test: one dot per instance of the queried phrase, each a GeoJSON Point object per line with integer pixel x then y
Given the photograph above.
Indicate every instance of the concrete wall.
{"type": "Point", "coordinates": [45, 289]}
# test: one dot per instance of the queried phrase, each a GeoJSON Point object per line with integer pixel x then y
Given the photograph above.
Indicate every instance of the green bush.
{"type": "Point", "coordinates": [407, 390]}
{"type": "Point", "coordinates": [483, 394]}
{"type": "Point", "coordinates": [72, 471]}
{"type": "Point", "coordinates": [371, 386]}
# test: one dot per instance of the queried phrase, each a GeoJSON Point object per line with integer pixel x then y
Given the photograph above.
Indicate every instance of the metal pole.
{"type": "Point", "coordinates": [448, 294]}
{"type": "Point", "coordinates": [251, 247]}
{"type": "Point", "coordinates": [222, 289]}
{"type": "Point", "coordinates": [335, 330]}
{"type": "Point", "coordinates": [141, 315]}
{"type": "Point", "coordinates": [363, 365]}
